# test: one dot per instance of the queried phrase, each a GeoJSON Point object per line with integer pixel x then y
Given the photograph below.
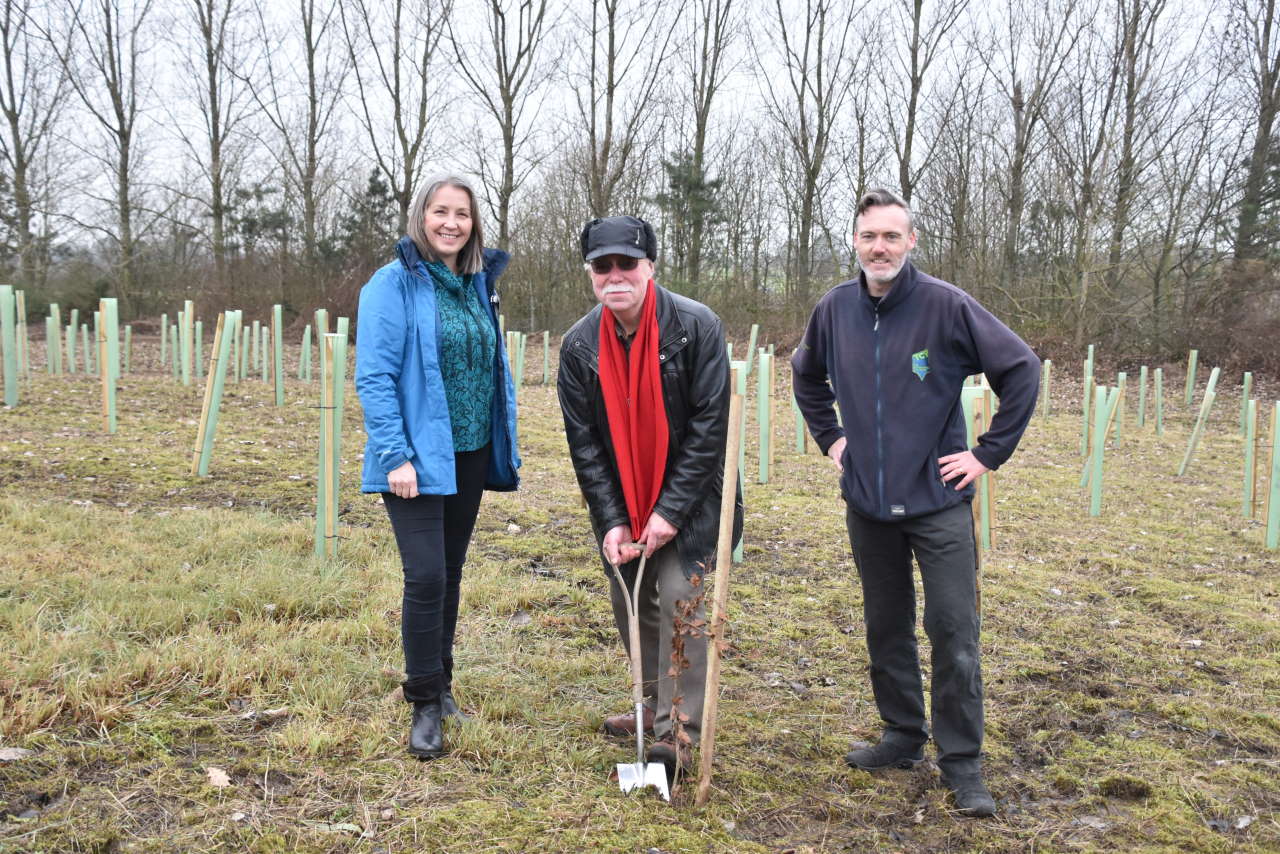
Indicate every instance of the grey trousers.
{"type": "Point", "coordinates": [662, 586]}
{"type": "Point", "coordinates": [944, 548]}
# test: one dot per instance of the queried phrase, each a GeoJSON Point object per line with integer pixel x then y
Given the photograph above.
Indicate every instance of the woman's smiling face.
{"type": "Point", "coordinates": [447, 222]}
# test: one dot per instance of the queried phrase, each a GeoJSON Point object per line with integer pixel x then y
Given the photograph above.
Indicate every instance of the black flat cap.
{"type": "Point", "coordinates": [619, 235]}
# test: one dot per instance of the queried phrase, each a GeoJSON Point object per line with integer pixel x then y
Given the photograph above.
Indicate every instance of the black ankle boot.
{"type": "Point", "coordinates": [449, 708]}
{"type": "Point", "coordinates": [448, 705]}
{"type": "Point", "coordinates": [426, 737]}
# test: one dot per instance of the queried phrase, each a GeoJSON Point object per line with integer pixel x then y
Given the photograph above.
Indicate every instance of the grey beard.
{"type": "Point", "coordinates": [887, 278]}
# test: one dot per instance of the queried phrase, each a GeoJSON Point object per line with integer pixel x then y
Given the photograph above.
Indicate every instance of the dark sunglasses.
{"type": "Point", "coordinates": [625, 263]}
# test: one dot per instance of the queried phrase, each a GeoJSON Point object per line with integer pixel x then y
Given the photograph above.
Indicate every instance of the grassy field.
{"type": "Point", "coordinates": [187, 677]}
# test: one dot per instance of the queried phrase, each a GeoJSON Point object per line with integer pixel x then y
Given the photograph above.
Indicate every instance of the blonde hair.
{"type": "Point", "coordinates": [471, 256]}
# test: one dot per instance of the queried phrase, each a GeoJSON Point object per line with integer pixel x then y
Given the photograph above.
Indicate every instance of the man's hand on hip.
{"type": "Point", "coordinates": [617, 545]}
{"type": "Point", "coordinates": [657, 533]}
{"type": "Point", "coordinates": [836, 452]}
{"type": "Point", "coordinates": [963, 465]}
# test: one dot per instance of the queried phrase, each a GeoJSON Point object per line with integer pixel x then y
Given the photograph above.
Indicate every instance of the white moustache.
{"type": "Point", "coordinates": [617, 289]}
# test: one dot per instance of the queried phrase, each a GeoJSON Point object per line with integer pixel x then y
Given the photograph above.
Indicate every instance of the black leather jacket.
{"type": "Point", "coordinates": [695, 391]}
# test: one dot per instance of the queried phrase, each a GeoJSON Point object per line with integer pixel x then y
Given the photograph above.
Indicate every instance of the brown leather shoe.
{"type": "Point", "coordinates": [625, 725]}
{"type": "Point", "coordinates": [677, 759]}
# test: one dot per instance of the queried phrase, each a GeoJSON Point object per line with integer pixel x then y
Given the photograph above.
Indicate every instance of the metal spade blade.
{"type": "Point", "coordinates": [638, 775]}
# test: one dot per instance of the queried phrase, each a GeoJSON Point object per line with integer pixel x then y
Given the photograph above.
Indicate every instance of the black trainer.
{"type": "Point", "coordinates": [971, 795]}
{"type": "Point", "coordinates": [884, 755]}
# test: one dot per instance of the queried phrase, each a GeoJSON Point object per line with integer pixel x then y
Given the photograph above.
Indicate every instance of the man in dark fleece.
{"type": "Point", "coordinates": [893, 348]}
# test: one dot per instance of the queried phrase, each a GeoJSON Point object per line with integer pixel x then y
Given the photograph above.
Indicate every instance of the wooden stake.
{"type": "Point", "coordinates": [203, 435]}
{"type": "Point", "coordinates": [719, 601]}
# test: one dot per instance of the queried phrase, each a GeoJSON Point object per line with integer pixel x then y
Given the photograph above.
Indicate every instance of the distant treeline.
{"type": "Point", "coordinates": [1095, 171]}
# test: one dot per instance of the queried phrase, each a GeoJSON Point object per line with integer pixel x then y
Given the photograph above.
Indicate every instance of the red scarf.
{"type": "Point", "coordinates": [632, 389]}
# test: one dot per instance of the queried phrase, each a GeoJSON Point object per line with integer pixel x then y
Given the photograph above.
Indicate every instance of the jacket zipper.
{"type": "Point", "coordinates": [879, 425]}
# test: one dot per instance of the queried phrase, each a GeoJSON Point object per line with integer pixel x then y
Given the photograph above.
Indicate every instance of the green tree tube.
{"type": "Point", "coordinates": [53, 342]}
{"type": "Point", "coordinates": [87, 348]}
{"type": "Point", "coordinates": [1099, 448]}
{"type": "Point", "coordinates": [277, 340]}
{"type": "Point", "coordinates": [197, 357]}
{"type": "Point", "coordinates": [1046, 376]}
{"type": "Point", "coordinates": [1192, 358]}
{"type": "Point", "coordinates": [764, 397]}
{"type": "Point", "coordinates": [73, 329]}
{"type": "Point", "coordinates": [1205, 405]}
{"type": "Point", "coordinates": [739, 371]}
{"type": "Point", "coordinates": [1245, 392]}
{"type": "Point", "coordinates": [1273, 487]}
{"type": "Point", "coordinates": [1250, 458]}
{"type": "Point", "coordinates": [1159, 400]}
{"type": "Point", "coordinates": [304, 357]}
{"type": "Point", "coordinates": [9, 343]}
{"type": "Point", "coordinates": [188, 339]}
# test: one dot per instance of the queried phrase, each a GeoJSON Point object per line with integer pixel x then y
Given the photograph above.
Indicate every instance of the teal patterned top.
{"type": "Point", "coordinates": [467, 340]}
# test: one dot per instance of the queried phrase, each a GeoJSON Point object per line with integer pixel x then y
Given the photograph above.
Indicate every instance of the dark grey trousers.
{"type": "Point", "coordinates": [944, 548]}
{"type": "Point", "coordinates": [663, 585]}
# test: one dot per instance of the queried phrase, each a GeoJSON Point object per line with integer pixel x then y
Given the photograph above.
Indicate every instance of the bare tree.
{"type": "Point", "coordinates": [1151, 76]}
{"type": "Point", "coordinates": [1026, 65]}
{"type": "Point", "coordinates": [212, 45]}
{"type": "Point", "coordinates": [928, 39]}
{"type": "Point", "coordinates": [629, 46]}
{"type": "Point", "coordinates": [392, 47]}
{"type": "Point", "coordinates": [506, 84]}
{"type": "Point", "coordinates": [1257, 36]}
{"type": "Point", "coordinates": [299, 95]}
{"type": "Point", "coordinates": [32, 94]}
{"type": "Point", "coordinates": [1079, 139]}
{"type": "Point", "coordinates": [102, 53]}
{"type": "Point", "coordinates": [805, 100]}
{"type": "Point", "coordinates": [708, 65]}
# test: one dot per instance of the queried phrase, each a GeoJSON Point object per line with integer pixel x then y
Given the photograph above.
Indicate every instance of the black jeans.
{"type": "Point", "coordinates": [433, 532]}
{"type": "Point", "coordinates": [944, 547]}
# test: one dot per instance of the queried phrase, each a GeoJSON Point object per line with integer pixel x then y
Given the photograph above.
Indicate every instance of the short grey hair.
{"type": "Point", "coordinates": [880, 197]}
{"type": "Point", "coordinates": [471, 256]}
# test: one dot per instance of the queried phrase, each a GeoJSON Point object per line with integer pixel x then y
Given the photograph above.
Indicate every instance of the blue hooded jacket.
{"type": "Point", "coordinates": [406, 416]}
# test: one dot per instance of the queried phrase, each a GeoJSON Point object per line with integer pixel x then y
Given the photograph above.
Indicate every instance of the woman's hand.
{"type": "Point", "coordinates": [403, 480]}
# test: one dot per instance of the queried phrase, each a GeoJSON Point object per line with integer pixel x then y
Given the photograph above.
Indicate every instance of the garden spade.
{"type": "Point", "coordinates": [638, 774]}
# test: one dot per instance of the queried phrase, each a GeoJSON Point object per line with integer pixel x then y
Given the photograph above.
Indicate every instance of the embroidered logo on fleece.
{"type": "Point", "coordinates": [920, 363]}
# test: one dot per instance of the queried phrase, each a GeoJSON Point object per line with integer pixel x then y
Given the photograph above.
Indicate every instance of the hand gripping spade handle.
{"type": "Point", "coordinates": [639, 774]}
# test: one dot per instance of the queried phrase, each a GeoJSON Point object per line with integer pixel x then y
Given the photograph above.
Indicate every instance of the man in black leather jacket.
{"type": "Point", "coordinates": [680, 536]}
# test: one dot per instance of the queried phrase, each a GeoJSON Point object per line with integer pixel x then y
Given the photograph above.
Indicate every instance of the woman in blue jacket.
{"type": "Point", "coordinates": [440, 414]}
